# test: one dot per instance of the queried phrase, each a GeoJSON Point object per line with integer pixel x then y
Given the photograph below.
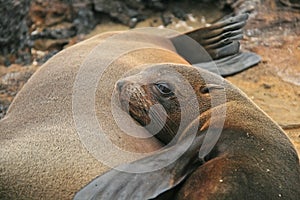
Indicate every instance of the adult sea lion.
{"type": "Point", "coordinates": [237, 151]}
{"type": "Point", "coordinates": [48, 141]}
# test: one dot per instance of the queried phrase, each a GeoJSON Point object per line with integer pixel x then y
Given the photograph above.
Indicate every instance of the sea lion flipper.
{"type": "Point", "coordinates": [227, 36]}
{"type": "Point", "coordinates": [230, 24]}
{"type": "Point", "coordinates": [122, 185]}
{"type": "Point", "coordinates": [219, 42]}
{"type": "Point", "coordinates": [176, 163]}
{"type": "Point", "coordinates": [231, 65]}
{"type": "Point", "coordinates": [221, 36]}
{"type": "Point", "coordinates": [220, 51]}
{"type": "Point", "coordinates": [213, 39]}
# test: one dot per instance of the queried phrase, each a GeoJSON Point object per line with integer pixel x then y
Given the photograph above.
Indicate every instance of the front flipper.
{"type": "Point", "coordinates": [232, 64]}
{"type": "Point", "coordinates": [121, 185]}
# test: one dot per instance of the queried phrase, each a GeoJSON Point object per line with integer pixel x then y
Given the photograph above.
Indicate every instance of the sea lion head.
{"type": "Point", "coordinates": [165, 98]}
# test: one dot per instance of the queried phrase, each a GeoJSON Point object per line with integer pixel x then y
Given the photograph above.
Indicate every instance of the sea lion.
{"type": "Point", "coordinates": [49, 144]}
{"type": "Point", "coordinates": [250, 158]}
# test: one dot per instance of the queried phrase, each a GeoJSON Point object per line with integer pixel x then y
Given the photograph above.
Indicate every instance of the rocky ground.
{"type": "Point", "coordinates": [273, 32]}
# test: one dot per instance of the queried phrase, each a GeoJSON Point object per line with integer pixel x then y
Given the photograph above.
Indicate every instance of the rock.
{"type": "Point", "coordinates": [155, 5]}
{"type": "Point", "coordinates": [179, 13]}
{"type": "Point", "coordinates": [119, 11]}
{"type": "Point", "coordinates": [61, 31]}
{"type": "Point", "coordinates": [14, 33]}
{"type": "Point", "coordinates": [242, 6]}
{"type": "Point", "coordinates": [291, 3]}
{"type": "Point", "coordinates": [77, 4]}
{"type": "Point", "coordinates": [3, 107]}
{"type": "Point", "coordinates": [47, 56]}
{"type": "Point", "coordinates": [266, 86]}
{"type": "Point", "coordinates": [50, 44]}
{"type": "Point", "coordinates": [85, 21]}
{"type": "Point", "coordinates": [50, 12]}
{"type": "Point", "coordinates": [166, 18]}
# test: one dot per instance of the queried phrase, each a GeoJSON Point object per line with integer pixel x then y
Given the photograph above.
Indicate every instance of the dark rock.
{"type": "Point", "coordinates": [78, 4]}
{"type": "Point", "coordinates": [62, 31]}
{"type": "Point", "coordinates": [266, 85]}
{"type": "Point", "coordinates": [134, 4]}
{"type": "Point", "coordinates": [291, 3]}
{"type": "Point", "coordinates": [56, 22]}
{"type": "Point", "coordinates": [3, 108]}
{"type": "Point", "coordinates": [119, 11]}
{"type": "Point", "coordinates": [14, 33]}
{"type": "Point", "coordinates": [166, 18]}
{"type": "Point", "coordinates": [132, 22]}
{"type": "Point", "coordinates": [47, 56]}
{"type": "Point", "coordinates": [50, 44]}
{"type": "Point", "coordinates": [85, 21]}
{"type": "Point", "coordinates": [240, 7]}
{"type": "Point", "coordinates": [156, 5]}
{"type": "Point", "coordinates": [128, 12]}
{"type": "Point", "coordinates": [47, 13]}
{"type": "Point", "coordinates": [179, 13]}
{"type": "Point", "coordinates": [24, 57]}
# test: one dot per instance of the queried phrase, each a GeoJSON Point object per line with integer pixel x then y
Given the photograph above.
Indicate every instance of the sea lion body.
{"type": "Point", "coordinates": [41, 153]}
{"type": "Point", "coordinates": [246, 154]}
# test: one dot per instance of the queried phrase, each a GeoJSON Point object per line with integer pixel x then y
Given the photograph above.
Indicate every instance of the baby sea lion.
{"type": "Point", "coordinates": [60, 132]}
{"type": "Point", "coordinates": [250, 158]}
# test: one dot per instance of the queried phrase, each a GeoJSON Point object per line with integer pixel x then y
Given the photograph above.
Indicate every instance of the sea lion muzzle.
{"type": "Point", "coordinates": [134, 101]}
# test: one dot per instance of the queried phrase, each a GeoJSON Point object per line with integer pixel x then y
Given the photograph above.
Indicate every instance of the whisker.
{"type": "Point", "coordinates": [158, 119]}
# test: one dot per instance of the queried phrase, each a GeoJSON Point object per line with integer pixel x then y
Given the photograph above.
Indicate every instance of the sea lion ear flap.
{"type": "Point", "coordinates": [210, 87]}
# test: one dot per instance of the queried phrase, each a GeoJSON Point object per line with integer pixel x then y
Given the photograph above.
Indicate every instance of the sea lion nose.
{"type": "Point", "coordinates": [120, 84]}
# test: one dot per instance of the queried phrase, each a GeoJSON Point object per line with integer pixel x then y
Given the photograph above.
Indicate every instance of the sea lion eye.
{"type": "Point", "coordinates": [204, 90]}
{"type": "Point", "coordinates": [164, 88]}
